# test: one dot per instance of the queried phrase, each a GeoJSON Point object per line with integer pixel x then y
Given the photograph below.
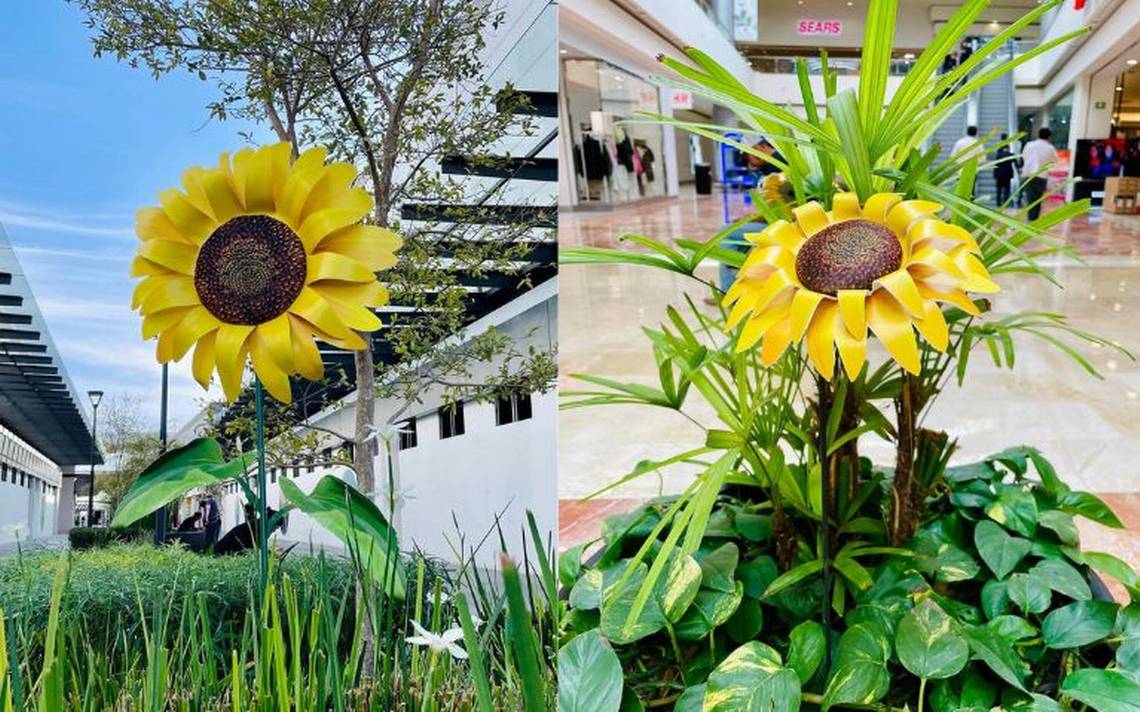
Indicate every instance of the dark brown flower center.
{"type": "Point", "coordinates": [250, 270]}
{"type": "Point", "coordinates": [848, 255]}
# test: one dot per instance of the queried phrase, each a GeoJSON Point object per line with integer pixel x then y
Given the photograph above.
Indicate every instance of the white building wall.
{"type": "Point", "coordinates": [29, 490]}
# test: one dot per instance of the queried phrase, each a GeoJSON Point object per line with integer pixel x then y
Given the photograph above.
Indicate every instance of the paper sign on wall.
{"type": "Point", "coordinates": [745, 27]}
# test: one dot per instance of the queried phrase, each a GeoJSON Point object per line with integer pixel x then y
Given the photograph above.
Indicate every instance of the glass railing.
{"type": "Point", "coordinates": [842, 66]}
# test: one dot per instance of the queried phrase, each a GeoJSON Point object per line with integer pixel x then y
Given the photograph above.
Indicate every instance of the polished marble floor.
{"type": "Point", "coordinates": [1088, 427]}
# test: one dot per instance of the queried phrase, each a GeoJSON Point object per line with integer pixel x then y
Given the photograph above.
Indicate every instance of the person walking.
{"type": "Point", "coordinates": [969, 148]}
{"type": "Point", "coordinates": [1003, 172]}
{"type": "Point", "coordinates": [213, 518]}
{"type": "Point", "coordinates": [1035, 159]}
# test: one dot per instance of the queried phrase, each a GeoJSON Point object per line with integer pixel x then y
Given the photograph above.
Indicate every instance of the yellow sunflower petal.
{"type": "Point", "coordinates": [231, 347]}
{"type": "Point", "coordinates": [758, 325]}
{"type": "Point", "coordinates": [852, 303]}
{"type": "Point", "coordinates": [372, 294]}
{"type": "Point", "coordinates": [845, 206]}
{"type": "Point", "coordinates": [174, 291]}
{"type": "Point", "coordinates": [259, 180]}
{"type": "Point", "coordinates": [354, 316]}
{"type": "Point", "coordinates": [878, 205]}
{"type": "Point", "coordinates": [238, 169]}
{"type": "Point", "coordinates": [940, 235]}
{"type": "Point", "coordinates": [330, 265]}
{"type": "Point", "coordinates": [324, 222]}
{"type": "Point", "coordinates": [892, 327]}
{"type": "Point", "coordinates": [203, 365]}
{"type": "Point", "coordinates": [934, 260]}
{"type": "Point", "coordinates": [789, 236]}
{"type": "Point", "coordinates": [272, 377]}
{"type": "Point", "coordinates": [194, 225]}
{"type": "Point", "coordinates": [306, 356]}
{"type": "Point", "coordinates": [164, 349]}
{"type": "Point", "coordinates": [197, 323]}
{"type": "Point", "coordinates": [154, 324]}
{"type": "Point", "coordinates": [820, 339]}
{"type": "Point", "coordinates": [852, 351]}
{"type": "Point", "coordinates": [303, 175]}
{"type": "Point", "coordinates": [374, 247]}
{"type": "Point", "coordinates": [280, 155]}
{"type": "Point", "coordinates": [977, 276]}
{"type": "Point", "coordinates": [811, 218]}
{"type": "Point", "coordinates": [933, 327]}
{"type": "Point", "coordinates": [743, 307]}
{"type": "Point", "coordinates": [804, 305]}
{"type": "Point", "coordinates": [335, 179]}
{"type": "Point", "coordinates": [903, 289]}
{"type": "Point", "coordinates": [142, 267]}
{"type": "Point", "coordinates": [908, 212]}
{"type": "Point", "coordinates": [153, 224]}
{"type": "Point", "coordinates": [195, 192]}
{"type": "Point", "coordinates": [954, 296]}
{"type": "Point", "coordinates": [274, 334]}
{"type": "Point", "coordinates": [145, 288]}
{"type": "Point", "coordinates": [175, 256]}
{"type": "Point", "coordinates": [776, 342]}
{"type": "Point", "coordinates": [224, 203]}
{"type": "Point", "coordinates": [316, 310]}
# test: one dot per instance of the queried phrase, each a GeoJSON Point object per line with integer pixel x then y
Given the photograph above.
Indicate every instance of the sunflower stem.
{"type": "Point", "coordinates": [823, 402]}
{"type": "Point", "coordinates": [262, 510]}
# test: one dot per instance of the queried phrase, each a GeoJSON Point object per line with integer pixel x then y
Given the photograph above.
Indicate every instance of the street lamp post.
{"type": "Point", "coordinates": [95, 397]}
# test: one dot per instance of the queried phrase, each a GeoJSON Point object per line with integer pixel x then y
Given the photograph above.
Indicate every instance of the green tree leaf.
{"type": "Point", "coordinates": [617, 602]}
{"type": "Point", "coordinates": [353, 518]}
{"type": "Point", "coordinates": [1103, 690]}
{"type": "Point", "coordinates": [1063, 578]}
{"type": "Point", "coordinates": [196, 464]}
{"type": "Point", "coordinates": [678, 588]}
{"type": "Point", "coordinates": [590, 677]}
{"type": "Point", "coordinates": [691, 700]}
{"type": "Point", "coordinates": [1061, 524]}
{"type": "Point", "coordinates": [1016, 510]}
{"type": "Point", "coordinates": [752, 679]}
{"type": "Point", "coordinates": [1088, 506]}
{"type": "Point", "coordinates": [860, 673]}
{"type": "Point", "coordinates": [710, 610]}
{"type": "Point", "coordinates": [807, 645]}
{"type": "Point", "coordinates": [997, 653]}
{"type": "Point", "coordinates": [1128, 625]}
{"type": "Point", "coordinates": [928, 645]}
{"type": "Point", "coordinates": [1001, 551]}
{"type": "Point", "coordinates": [1029, 593]}
{"type": "Point", "coordinates": [1079, 624]}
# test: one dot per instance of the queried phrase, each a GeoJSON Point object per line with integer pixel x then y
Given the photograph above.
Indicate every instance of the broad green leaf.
{"type": "Point", "coordinates": [586, 594]}
{"type": "Point", "coordinates": [1029, 593]}
{"type": "Point", "coordinates": [1088, 506]}
{"type": "Point", "coordinates": [1053, 484]}
{"type": "Point", "coordinates": [1114, 567]}
{"type": "Point", "coordinates": [353, 518]}
{"type": "Point", "coordinates": [1079, 624]}
{"type": "Point", "coordinates": [710, 610]}
{"type": "Point", "coordinates": [1103, 690]}
{"type": "Point", "coordinates": [752, 679]}
{"type": "Point", "coordinates": [570, 564]}
{"type": "Point", "coordinates": [718, 567]}
{"type": "Point", "coordinates": [1061, 524]}
{"type": "Point", "coordinates": [1128, 626]}
{"type": "Point", "coordinates": [806, 648]}
{"type": "Point", "coordinates": [630, 702]}
{"type": "Point", "coordinates": [928, 645]}
{"type": "Point", "coordinates": [995, 598]}
{"type": "Point", "coordinates": [590, 677]}
{"type": "Point", "coordinates": [1016, 510]}
{"type": "Point", "coordinates": [793, 576]}
{"type": "Point", "coordinates": [197, 464]}
{"type": "Point", "coordinates": [1063, 578]}
{"type": "Point", "coordinates": [1001, 552]}
{"type": "Point", "coordinates": [679, 587]}
{"type": "Point", "coordinates": [859, 675]}
{"type": "Point", "coordinates": [618, 600]}
{"type": "Point", "coordinates": [997, 653]}
{"type": "Point", "coordinates": [1012, 627]}
{"type": "Point", "coordinates": [754, 527]}
{"type": "Point", "coordinates": [746, 623]}
{"type": "Point", "coordinates": [757, 575]}
{"type": "Point", "coordinates": [1036, 703]}
{"type": "Point", "coordinates": [691, 700]}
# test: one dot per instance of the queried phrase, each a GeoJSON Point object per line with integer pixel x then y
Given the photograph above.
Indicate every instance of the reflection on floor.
{"type": "Point", "coordinates": [1089, 428]}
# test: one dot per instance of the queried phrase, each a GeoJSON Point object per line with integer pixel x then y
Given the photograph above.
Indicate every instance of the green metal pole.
{"type": "Point", "coordinates": [160, 513]}
{"type": "Point", "coordinates": [262, 508]}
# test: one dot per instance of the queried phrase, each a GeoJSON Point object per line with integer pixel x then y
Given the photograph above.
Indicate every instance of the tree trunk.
{"type": "Point", "coordinates": [903, 516]}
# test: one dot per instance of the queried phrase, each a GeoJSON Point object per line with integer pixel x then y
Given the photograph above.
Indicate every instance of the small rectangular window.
{"type": "Point", "coordinates": [273, 475]}
{"type": "Point", "coordinates": [3, 473]}
{"type": "Point", "coordinates": [408, 436]}
{"type": "Point", "coordinates": [512, 408]}
{"type": "Point", "coordinates": [311, 466]}
{"type": "Point", "coordinates": [451, 421]}
{"type": "Point", "coordinates": [22, 483]}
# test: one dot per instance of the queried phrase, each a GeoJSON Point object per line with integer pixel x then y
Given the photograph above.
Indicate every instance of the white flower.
{"type": "Point", "coordinates": [444, 642]}
{"type": "Point", "coordinates": [384, 431]}
{"type": "Point", "coordinates": [16, 531]}
{"type": "Point", "coordinates": [476, 621]}
{"type": "Point", "coordinates": [400, 498]}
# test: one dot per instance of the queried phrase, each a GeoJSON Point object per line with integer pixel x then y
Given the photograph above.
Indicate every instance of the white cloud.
{"type": "Point", "coordinates": [52, 220]}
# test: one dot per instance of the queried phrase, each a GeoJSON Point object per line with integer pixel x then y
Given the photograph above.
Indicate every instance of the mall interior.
{"type": "Point", "coordinates": [664, 183]}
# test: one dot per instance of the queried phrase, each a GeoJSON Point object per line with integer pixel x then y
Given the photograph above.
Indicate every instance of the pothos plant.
{"type": "Point", "coordinates": [792, 572]}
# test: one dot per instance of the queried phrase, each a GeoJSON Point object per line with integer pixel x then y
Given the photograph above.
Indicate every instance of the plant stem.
{"type": "Point", "coordinates": [823, 396]}
{"type": "Point", "coordinates": [921, 692]}
{"type": "Point", "coordinates": [262, 507]}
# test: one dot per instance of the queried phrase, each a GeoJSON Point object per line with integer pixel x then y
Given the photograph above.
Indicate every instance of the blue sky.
{"type": "Point", "coordinates": [85, 142]}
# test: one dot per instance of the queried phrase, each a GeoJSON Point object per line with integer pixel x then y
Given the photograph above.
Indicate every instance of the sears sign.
{"type": "Point", "coordinates": [819, 27]}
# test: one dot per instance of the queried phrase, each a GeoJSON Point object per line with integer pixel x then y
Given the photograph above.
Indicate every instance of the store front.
{"type": "Point", "coordinates": [618, 156]}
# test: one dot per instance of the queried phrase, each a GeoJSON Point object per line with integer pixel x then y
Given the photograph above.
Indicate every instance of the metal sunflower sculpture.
{"type": "Point", "coordinates": [829, 275]}
{"type": "Point", "coordinates": [257, 257]}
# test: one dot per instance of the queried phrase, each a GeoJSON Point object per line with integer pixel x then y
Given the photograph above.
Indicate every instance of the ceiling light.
{"type": "Point", "coordinates": [908, 55]}
{"type": "Point", "coordinates": [563, 51]}
{"type": "Point", "coordinates": [1132, 62]}
{"type": "Point", "coordinates": [1119, 88]}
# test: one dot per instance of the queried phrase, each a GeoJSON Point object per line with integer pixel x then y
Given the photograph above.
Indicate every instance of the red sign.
{"type": "Point", "coordinates": [819, 27]}
{"type": "Point", "coordinates": [682, 99]}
